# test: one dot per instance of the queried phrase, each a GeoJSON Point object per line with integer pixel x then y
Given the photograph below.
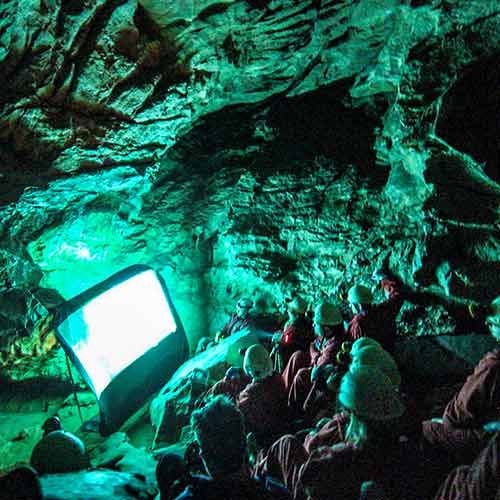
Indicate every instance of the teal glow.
{"type": "Point", "coordinates": [80, 253]}
{"type": "Point", "coordinates": [119, 326]}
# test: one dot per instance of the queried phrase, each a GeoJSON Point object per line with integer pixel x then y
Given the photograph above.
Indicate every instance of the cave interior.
{"type": "Point", "coordinates": [265, 150]}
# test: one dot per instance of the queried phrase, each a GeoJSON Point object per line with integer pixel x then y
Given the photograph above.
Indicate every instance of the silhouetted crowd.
{"type": "Point", "coordinates": [321, 410]}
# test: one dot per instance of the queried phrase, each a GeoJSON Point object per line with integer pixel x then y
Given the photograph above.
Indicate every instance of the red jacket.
{"type": "Point", "coordinates": [298, 334]}
{"type": "Point", "coordinates": [379, 320]}
{"type": "Point", "coordinates": [264, 404]}
{"type": "Point", "coordinates": [478, 401]}
{"type": "Point", "coordinates": [333, 432]}
{"type": "Point", "coordinates": [480, 481]}
{"type": "Point", "coordinates": [324, 353]}
{"type": "Point", "coordinates": [328, 352]}
{"type": "Point", "coordinates": [230, 387]}
{"type": "Point", "coordinates": [335, 472]}
{"type": "Point", "coordinates": [235, 324]}
{"type": "Point", "coordinates": [339, 471]}
{"type": "Point", "coordinates": [296, 337]}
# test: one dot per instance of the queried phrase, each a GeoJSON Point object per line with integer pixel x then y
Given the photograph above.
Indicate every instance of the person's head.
{"type": "Point", "coordinates": [243, 307]}
{"type": "Point", "coordinates": [363, 342]}
{"type": "Point", "coordinates": [493, 320]}
{"type": "Point", "coordinates": [59, 451]}
{"type": "Point", "coordinates": [233, 373]}
{"type": "Point", "coordinates": [51, 424]}
{"type": "Point", "coordinates": [327, 320]}
{"type": "Point", "coordinates": [21, 483]}
{"type": "Point", "coordinates": [378, 358]}
{"type": "Point", "coordinates": [257, 362]}
{"type": "Point", "coordinates": [370, 397]}
{"type": "Point", "coordinates": [296, 307]}
{"type": "Point", "coordinates": [359, 297]}
{"type": "Point", "coordinates": [220, 433]}
{"type": "Point", "coordinates": [172, 475]}
{"type": "Point", "coordinates": [371, 490]}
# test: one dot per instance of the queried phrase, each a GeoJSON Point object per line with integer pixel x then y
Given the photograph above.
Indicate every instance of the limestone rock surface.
{"type": "Point", "coordinates": [247, 148]}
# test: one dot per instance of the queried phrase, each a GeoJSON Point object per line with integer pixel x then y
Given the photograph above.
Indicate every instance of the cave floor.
{"type": "Point", "coordinates": [24, 410]}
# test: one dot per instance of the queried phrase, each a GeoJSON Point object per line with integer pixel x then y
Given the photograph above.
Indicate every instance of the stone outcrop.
{"type": "Point", "coordinates": [245, 148]}
{"type": "Point", "coordinates": [171, 408]}
{"type": "Point", "coordinates": [117, 453]}
{"type": "Point", "coordinates": [97, 484]}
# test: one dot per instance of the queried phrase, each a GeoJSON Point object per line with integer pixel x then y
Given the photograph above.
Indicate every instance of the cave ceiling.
{"type": "Point", "coordinates": [259, 148]}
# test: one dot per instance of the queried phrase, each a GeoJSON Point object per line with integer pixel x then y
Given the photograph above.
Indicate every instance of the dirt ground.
{"type": "Point", "coordinates": [24, 408]}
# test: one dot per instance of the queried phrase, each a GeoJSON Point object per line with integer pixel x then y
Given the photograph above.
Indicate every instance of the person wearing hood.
{"type": "Point", "coordinates": [219, 433]}
{"type": "Point", "coordinates": [364, 351]}
{"type": "Point", "coordinates": [304, 369]}
{"type": "Point", "coordinates": [377, 321]}
{"type": "Point", "coordinates": [58, 451]}
{"type": "Point", "coordinates": [263, 402]}
{"type": "Point", "coordinates": [242, 319]}
{"type": "Point", "coordinates": [369, 448]}
{"type": "Point", "coordinates": [297, 334]}
{"type": "Point", "coordinates": [478, 481]}
{"type": "Point", "coordinates": [460, 433]}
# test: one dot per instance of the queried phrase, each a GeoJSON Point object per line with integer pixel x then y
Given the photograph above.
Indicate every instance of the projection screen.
{"type": "Point", "coordinates": [125, 338]}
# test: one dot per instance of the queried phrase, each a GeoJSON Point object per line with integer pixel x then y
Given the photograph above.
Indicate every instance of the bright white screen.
{"type": "Point", "coordinates": [118, 326]}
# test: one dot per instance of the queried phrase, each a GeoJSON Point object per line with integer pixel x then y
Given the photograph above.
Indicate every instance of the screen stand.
{"type": "Point", "coordinates": [74, 389]}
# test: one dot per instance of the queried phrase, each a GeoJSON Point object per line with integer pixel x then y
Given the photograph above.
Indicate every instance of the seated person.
{"type": "Point", "coordinates": [21, 483]}
{"type": "Point", "coordinates": [234, 381]}
{"type": "Point", "coordinates": [259, 393]}
{"type": "Point", "coordinates": [479, 481]}
{"type": "Point", "coordinates": [302, 368]}
{"type": "Point", "coordinates": [329, 333]}
{"type": "Point", "coordinates": [325, 383]}
{"type": "Point", "coordinates": [377, 321]}
{"type": "Point", "coordinates": [220, 433]}
{"type": "Point", "coordinates": [297, 334]}
{"type": "Point", "coordinates": [370, 451]}
{"type": "Point", "coordinates": [364, 353]}
{"type": "Point", "coordinates": [460, 432]}
{"type": "Point", "coordinates": [238, 321]}
{"type": "Point", "coordinates": [172, 476]}
{"type": "Point", "coordinates": [263, 402]}
{"type": "Point", "coordinates": [58, 451]}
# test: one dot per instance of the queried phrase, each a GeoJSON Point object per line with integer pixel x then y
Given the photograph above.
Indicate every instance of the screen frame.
{"type": "Point", "coordinates": [174, 345]}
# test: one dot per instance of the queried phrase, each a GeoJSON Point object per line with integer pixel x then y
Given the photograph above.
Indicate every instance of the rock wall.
{"type": "Point", "coordinates": [242, 147]}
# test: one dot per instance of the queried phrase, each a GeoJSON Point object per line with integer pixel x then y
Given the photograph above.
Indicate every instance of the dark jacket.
{"type": "Point", "coordinates": [264, 404]}
{"type": "Point", "coordinates": [237, 486]}
{"type": "Point", "coordinates": [479, 481]}
{"type": "Point", "coordinates": [379, 320]}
